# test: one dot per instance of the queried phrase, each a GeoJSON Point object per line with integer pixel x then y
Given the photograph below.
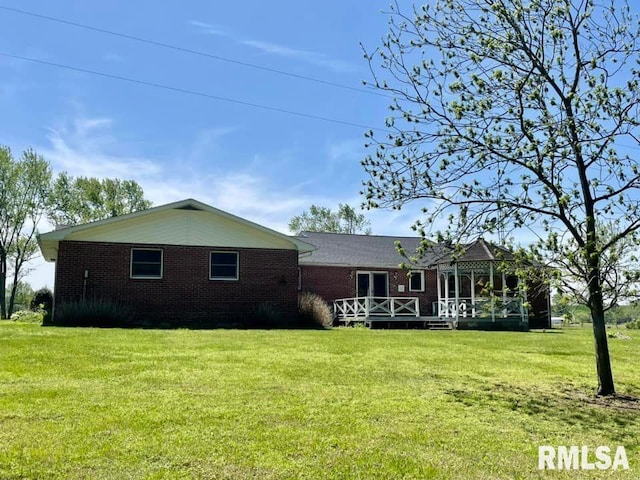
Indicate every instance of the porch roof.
{"type": "Point", "coordinates": [478, 251]}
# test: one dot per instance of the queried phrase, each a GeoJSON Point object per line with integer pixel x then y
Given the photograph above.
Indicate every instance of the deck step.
{"type": "Point", "coordinates": [439, 325]}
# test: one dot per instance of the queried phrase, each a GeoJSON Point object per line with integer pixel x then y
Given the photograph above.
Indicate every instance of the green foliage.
{"type": "Point", "coordinates": [95, 312]}
{"type": "Point", "coordinates": [314, 310]}
{"type": "Point", "coordinates": [84, 199]}
{"type": "Point", "coordinates": [42, 299]}
{"type": "Point", "coordinates": [512, 114]}
{"type": "Point", "coordinates": [304, 404]}
{"type": "Point", "coordinates": [322, 219]}
{"type": "Point", "coordinates": [28, 316]}
{"type": "Point", "coordinates": [23, 295]}
{"type": "Point", "coordinates": [633, 325]}
{"type": "Point", "coordinates": [24, 194]}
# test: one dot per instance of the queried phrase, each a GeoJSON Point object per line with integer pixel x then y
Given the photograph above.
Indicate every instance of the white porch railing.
{"type": "Point", "coordinates": [376, 306]}
{"type": "Point", "coordinates": [482, 307]}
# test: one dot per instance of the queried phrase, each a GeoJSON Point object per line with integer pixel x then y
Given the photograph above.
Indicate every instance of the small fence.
{"type": "Point", "coordinates": [482, 307]}
{"type": "Point", "coordinates": [365, 307]}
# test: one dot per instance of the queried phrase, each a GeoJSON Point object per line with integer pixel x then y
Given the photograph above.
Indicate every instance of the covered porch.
{"type": "Point", "coordinates": [475, 290]}
{"type": "Point", "coordinates": [480, 294]}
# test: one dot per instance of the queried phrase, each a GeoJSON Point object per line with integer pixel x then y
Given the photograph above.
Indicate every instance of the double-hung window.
{"type": "Point", "coordinates": [416, 281]}
{"type": "Point", "coordinates": [146, 263]}
{"type": "Point", "coordinates": [223, 266]}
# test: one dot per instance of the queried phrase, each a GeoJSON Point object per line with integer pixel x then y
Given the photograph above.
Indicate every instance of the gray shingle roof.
{"type": "Point", "coordinates": [480, 250]}
{"type": "Point", "coordinates": [377, 251]}
{"type": "Point", "coordinates": [341, 249]}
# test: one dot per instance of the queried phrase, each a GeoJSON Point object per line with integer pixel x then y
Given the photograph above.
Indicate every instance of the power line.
{"type": "Point", "coordinates": [191, 51]}
{"type": "Point", "coordinates": [190, 92]}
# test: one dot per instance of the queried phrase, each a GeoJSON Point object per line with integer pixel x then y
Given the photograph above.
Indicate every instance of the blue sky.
{"type": "Point", "coordinates": [262, 165]}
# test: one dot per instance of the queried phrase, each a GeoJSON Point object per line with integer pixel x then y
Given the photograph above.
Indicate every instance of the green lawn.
{"type": "Point", "coordinates": [346, 403]}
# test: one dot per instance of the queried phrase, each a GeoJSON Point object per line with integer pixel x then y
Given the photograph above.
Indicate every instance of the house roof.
{"type": "Point", "coordinates": [186, 222]}
{"type": "Point", "coordinates": [480, 250]}
{"type": "Point", "coordinates": [339, 249]}
{"type": "Point", "coordinates": [374, 251]}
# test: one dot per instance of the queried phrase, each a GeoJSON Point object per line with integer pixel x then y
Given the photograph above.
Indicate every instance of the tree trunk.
{"type": "Point", "coordinates": [3, 285]}
{"type": "Point", "coordinates": [603, 362]}
{"type": "Point", "coordinates": [12, 295]}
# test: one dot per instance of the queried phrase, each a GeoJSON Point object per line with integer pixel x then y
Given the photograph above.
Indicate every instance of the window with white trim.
{"type": "Point", "coordinates": [146, 263]}
{"type": "Point", "coordinates": [223, 266]}
{"type": "Point", "coordinates": [416, 281]}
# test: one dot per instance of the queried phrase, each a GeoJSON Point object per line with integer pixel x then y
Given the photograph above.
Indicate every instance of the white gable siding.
{"type": "Point", "coordinates": [182, 227]}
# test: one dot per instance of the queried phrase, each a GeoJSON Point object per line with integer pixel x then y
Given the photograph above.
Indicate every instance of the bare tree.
{"type": "Point", "coordinates": [509, 114]}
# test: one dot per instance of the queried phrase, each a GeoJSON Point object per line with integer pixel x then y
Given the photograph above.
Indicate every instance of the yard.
{"type": "Point", "coordinates": [344, 403]}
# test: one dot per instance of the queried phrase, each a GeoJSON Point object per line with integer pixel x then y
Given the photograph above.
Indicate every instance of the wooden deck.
{"type": "Point", "coordinates": [433, 323]}
{"type": "Point", "coordinates": [405, 312]}
{"type": "Point", "coordinates": [390, 310]}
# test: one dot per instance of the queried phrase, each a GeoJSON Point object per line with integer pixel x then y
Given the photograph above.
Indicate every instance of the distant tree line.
{"type": "Point", "coordinates": [323, 219]}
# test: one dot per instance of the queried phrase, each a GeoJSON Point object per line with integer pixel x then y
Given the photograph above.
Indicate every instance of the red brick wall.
{"type": "Point", "coordinates": [185, 293]}
{"type": "Point", "coordinates": [332, 283]}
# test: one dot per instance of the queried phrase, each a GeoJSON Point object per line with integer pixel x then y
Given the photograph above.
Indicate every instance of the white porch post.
{"type": "Point", "coordinates": [439, 282]}
{"type": "Point", "coordinates": [493, 303]}
{"type": "Point", "coordinates": [446, 296]}
{"type": "Point", "coordinates": [504, 295]}
{"type": "Point", "coordinates": [456, 288]}
{"type": "Point", "coordinates": [473, 294]}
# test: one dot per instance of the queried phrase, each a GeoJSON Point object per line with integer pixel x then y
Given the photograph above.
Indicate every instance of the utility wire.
{"type": "Point", "coordinates": [191, 51]}
{"type": "Point", "coordinates": [191, 92]}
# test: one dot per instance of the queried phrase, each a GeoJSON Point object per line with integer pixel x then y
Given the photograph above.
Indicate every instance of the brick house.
{"type": "Point", "coordinates": [345, 266]}
{"type": "Point", "coordinates": [184, 262]}
{"type": "Point", "coordinates": [360, 275]}
{"type": "Point", "coordinates": [188, 263]}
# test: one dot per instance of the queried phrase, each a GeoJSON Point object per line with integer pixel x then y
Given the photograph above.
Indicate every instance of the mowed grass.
{"type": "Point", "coordinates": [80, 403]}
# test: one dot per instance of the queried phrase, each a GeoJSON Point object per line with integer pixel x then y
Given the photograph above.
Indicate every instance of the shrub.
{"type": "Point", "coordinates": [42, 299]}
{"type": "Point", "coordinates": [94, 312]}
{"type": "Point", "coordinates": [268, 315]}
{"type": "Point", "coordinates": [314, 310]}
{"type": "Point", "coordinates": [633, 324]}
{"type": "Point", "coordinates": [26, 316]}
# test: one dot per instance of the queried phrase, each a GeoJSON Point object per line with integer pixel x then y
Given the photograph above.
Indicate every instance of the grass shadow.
{"type": "Point", "coordinates": [569, 405]}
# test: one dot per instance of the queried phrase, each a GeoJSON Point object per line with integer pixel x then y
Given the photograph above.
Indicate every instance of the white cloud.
{"type": "Point", "coordinates": [83, 146]}
{"type": "Point", "coordinates": [208, 28]}
{"type": "Point", "coordinates": [314, 58]}
{"type": "Point", "coordinates": [89, 146]}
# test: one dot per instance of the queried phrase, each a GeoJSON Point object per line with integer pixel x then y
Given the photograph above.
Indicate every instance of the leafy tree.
{"type": "Point", "coordinates": [24, 191]}
{"type": "Point", "coordinates": [513, 113]}
{"type": "Point", "coordinates": [83, 199]}
{"type": "Point", "coordinates": [322, 219]}
{"type": "Point", "coordinates": [23, 296]}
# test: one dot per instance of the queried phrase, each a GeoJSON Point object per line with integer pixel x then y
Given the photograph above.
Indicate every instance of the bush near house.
{"type": "Point", "coordinates": [27, 316]}
{"type": "Point", "coordinates": [94, 312]}
{"type": "Point", "coordinates": [314, 311]}
{"type": "Point", "coordinates": [268, 315]}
